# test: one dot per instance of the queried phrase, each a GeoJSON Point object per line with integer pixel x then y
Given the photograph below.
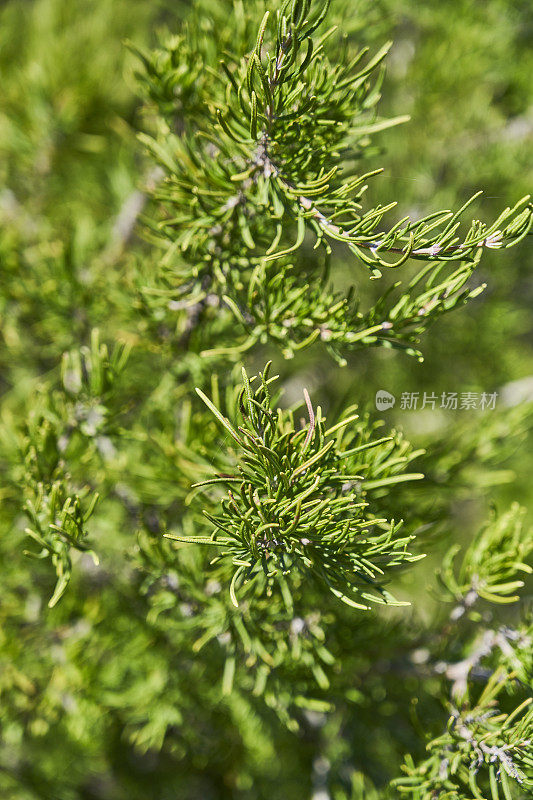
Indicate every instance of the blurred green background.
{"type": "Point", "coordinates": [79, 685]}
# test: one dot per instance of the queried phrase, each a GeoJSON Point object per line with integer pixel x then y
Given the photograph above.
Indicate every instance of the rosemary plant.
{"type": "Point", "coordinates": [247, 585]}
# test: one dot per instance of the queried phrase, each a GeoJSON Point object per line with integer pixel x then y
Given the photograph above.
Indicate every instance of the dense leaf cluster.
{"type": "Point", "coordinates": [298, 500]}
{"type": "Point", "coordinates": [211, 612]}
{"type": "Point", "coordinates": [264, 162]}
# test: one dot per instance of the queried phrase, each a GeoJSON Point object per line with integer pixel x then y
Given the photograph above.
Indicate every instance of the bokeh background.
{"type": "Point", "coordinates": [88, 708]}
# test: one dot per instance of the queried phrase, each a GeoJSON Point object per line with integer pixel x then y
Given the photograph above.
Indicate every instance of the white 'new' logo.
{"type": "Point", "coordinates": [384, 400]}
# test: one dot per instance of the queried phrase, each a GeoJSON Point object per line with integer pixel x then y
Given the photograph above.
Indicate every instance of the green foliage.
{"type": "Point", "coordinates": [298, 502]}
{"type": "Point", "coordinates": [58, 524]}
{"type": "Point", "coordinates": [196, 547]}
{"type": "Point", "coordinates": [66, 426]}
{"type": "Point", "coordinates": [479, 743]}
{"type": "Point", "coordinates": [484, 749]}
{"type": "Point", "coordinates": [496, 554]}
{"type": "Point", "coordinates": [280, 168]}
